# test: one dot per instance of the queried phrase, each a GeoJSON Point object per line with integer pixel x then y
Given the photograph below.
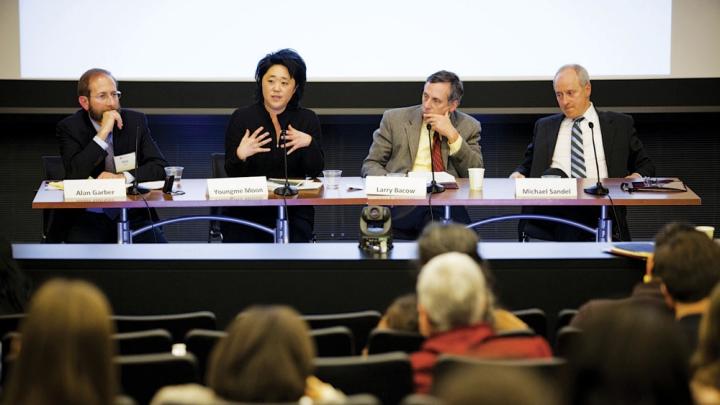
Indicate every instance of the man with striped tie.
{"type": "Point", "coordinates": [564, 142]}
{"type": "Point", "coordinates": [432, 136]}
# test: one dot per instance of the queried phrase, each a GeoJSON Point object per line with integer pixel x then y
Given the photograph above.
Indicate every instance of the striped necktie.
{"type": "Point", "coordinates": [436, 154]}
{"type": "Point", "coordinates": [577, 153]}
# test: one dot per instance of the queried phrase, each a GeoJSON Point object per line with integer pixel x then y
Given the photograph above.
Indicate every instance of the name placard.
{"type": "Point", "coordinates": [238, 188]}
{"type": "Point", "coordinates": [396, 186]}
{"type": "Point", "coordinates": [94, 190]}
{"type": "Point", "coordinates": [546, 188]}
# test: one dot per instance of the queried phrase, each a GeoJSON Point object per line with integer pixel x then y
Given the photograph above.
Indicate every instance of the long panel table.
{"type": "Point", "coordinates": [496, 192]}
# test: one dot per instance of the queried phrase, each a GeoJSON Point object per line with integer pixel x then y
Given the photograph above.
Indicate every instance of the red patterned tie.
{"type": "Point", "coordinates": [437, 161]}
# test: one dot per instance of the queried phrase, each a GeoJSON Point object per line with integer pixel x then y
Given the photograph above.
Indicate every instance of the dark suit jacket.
{"type": "Point", "coordinates": [82, 158]}
{"type": "Point", "coordinates": [624, 154]}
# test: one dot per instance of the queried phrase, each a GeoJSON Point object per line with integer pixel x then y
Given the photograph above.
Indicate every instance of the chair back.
{"type": "Point", "coordinates": [535, 318]}
{"type": "Point", "coordinates": [143, 375]}
{"type": "Point", "coordinates": [564, 318]}
{"type": "Point", "coordinates": [360, 323]}
{"type": "Point", "coordinates": [387, 376]}
{"type": "Point", "coordinates": [566, 341]}
{"type": "Point", "coordinates": [10, 323]}
{"type": "Point", "coordinates": [52, 168]}
{"type": "Point", "coordinates": [143, 342]}
{"type": "Point", "coordinates": [549, 369]}
{"type": "Point", "coordinates": [177, 324]}
{"type": "Point", "coordinates": [201, 343]}
{"type": "Point", "coordinates": [336, 341]}
{"type": "Point", "coordinates": [387, 340]}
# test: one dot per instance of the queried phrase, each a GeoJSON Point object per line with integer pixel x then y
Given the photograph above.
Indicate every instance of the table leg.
{"type": "Point", "coordinates": [447, 218]}
{"type": "Point", "coordinates": [604, 229]}
{"type": "Point", "coordinates": [123, 227]}
{"type": "Point", "coordinates": [282, 232]}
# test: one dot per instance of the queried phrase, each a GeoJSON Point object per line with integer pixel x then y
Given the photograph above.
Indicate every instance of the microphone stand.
{"type": "Point", "coordinates": [135, 190]}
{"type": "Point", "coordinates": [434, 187]}
{"type": "Point", "coordinates": [287, 189]}
{"type": "Point", "coordinates": [597, 189]}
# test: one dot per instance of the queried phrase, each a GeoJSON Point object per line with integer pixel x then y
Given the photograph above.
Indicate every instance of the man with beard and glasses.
{"type": "Point", "coordinates": [91, 141]}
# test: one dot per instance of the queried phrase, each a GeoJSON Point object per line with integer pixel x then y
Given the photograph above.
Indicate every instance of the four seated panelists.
{"type": "Point", "coordinates": [98, 140]}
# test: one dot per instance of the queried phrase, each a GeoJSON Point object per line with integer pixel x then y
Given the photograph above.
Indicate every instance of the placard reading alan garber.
{"type": "Point", "coordinates": [94, 190]}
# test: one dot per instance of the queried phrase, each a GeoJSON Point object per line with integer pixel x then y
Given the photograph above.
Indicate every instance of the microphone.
{"type": "Point", "coordinates": [287, 189]}
{"type": "Point", "coordinates": [135, 190]}
{"type": "Point", "coordinates": [434, 187]}
{"type": "Point", "coordinates": [597, 189]}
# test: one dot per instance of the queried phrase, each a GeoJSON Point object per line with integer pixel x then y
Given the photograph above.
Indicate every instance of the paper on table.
{"type": "Point", "coordinates": [440, 177]}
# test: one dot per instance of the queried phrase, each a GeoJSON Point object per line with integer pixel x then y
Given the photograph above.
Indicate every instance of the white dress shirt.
{"type": "Point", "coordinates": [561, 156]}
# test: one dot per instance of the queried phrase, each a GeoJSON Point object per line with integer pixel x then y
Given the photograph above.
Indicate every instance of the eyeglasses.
{"type": "Point", "coordinates": [104, 97]}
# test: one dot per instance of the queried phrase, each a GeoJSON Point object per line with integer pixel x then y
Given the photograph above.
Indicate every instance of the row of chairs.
{"type": "Point", "coordinates": [359, 324]}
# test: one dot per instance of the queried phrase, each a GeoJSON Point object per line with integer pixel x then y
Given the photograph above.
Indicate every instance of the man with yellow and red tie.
{"type": "Point", "coordinates": [402, 144]}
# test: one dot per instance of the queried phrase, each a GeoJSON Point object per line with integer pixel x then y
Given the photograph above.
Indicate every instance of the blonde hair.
{"type": "Point", "coordinates": [67, 351]}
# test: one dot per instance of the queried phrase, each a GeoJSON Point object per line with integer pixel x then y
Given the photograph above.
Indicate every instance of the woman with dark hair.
{"type": "Point", "coordinates": [254, 144]}
{"type": "Point", "coordinates": [267, 356]}
{"type": "Point", "coordinates": [66, 348]}
{"type": "Point", "coordinates": [633, 356]}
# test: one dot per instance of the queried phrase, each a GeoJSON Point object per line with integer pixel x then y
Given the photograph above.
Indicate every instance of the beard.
{"type": "Point", "coordinates": [96, 114]}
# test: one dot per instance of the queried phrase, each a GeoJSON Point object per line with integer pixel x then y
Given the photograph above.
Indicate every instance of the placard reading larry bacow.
{"type": "Point", "coordinates": [396, 186]}
{"type": "Point", "coordinates": [238, 188]}
{"type": "Point", "coordinates": [548, 189]}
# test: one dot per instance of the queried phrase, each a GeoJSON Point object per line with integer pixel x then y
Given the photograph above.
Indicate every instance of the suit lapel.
{"type": "Point", "coordinates": [607, 129]}
{"type": "Point", "coordinates": [412, 133]}
{"type": "Point", "coordinates": [552, 139]}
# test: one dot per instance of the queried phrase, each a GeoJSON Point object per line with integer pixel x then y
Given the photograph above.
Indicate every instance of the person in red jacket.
{"type": "Point", "coordinates": [452, 304]}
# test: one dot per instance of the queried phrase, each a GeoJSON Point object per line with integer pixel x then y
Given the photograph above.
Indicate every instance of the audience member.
{"type": "Point", "coordinates": [689, 267]}
{"type": "Point", "coordinates": [439, 238]}
{"type": "Point", "coordinates": [648, 291]}
{"type": "Point", "coordinates": [14, 285]}
{"type": "Point", "coordinates": [401, 315]}
{"type": "Point", "coordinates": [632, 355]}
{"type": "Point", "coordinates": [452, 306]}
{"type": "Point", "coordinates": [267, 356]}
{"type": "Point", "coordinates": [706, 361]}
{"type": "Point", "coordinates": [66, 354]}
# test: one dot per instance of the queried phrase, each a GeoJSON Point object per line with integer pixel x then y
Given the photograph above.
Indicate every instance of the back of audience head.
{"type": "Point", "coordinates": [267, 356]}
{"type": "Point", "coordinates": [688, 265]}
{"type": "Point", "coordinates": [665, 234]}
{"type": "Point", "coordinates": [630, 356]}
{"type": "Point", "coordinates": [401, 315]}
{"type": "Point", "coordinates": [451, 293]}
{"type": "Point", "coordinates": [66, 354]}
{"type": "Point", "coordinates": [501, 386]}
{"type": "Point", "coordinates": [14, 285]}
{"type": "Point", "coordinates": [706, 361]}
{"type": "Point", "coordinates": [438, 238]}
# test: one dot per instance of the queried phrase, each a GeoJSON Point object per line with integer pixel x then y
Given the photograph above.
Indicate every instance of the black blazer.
{"type": "Point", "coordinates": [83, 157]}
{"type": "Point", "coordinates": [624, 152]}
